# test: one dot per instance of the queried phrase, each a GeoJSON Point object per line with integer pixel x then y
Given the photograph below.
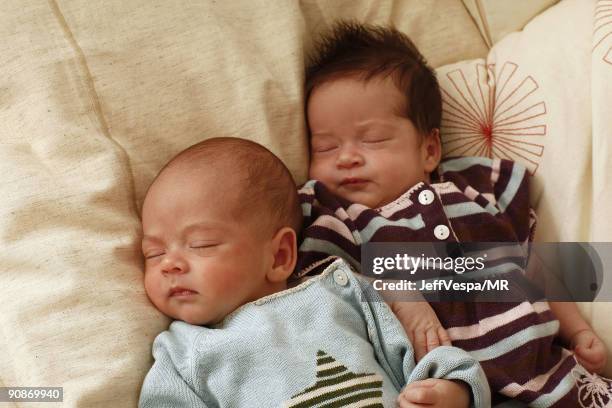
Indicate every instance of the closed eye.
{"type": "Point", "coordinates": [154, 255]}
{"type": "Point", "coordinates": [377, 140]}
{"type": "Point", "coordinates": [203, 246]}
{"type": "Point", "coordinates": [324, 149]}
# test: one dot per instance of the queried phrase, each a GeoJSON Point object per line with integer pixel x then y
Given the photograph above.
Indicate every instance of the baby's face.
{"type": "Point", "coordinates": [201, 263]}
{"type": "Point", "coordinates": [362, 148]}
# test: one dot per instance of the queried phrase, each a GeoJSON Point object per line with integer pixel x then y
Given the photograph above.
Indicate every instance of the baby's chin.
{"type": "Point", "coordinates": [191, 317]}
{"type": "Point", "coordinates": [196, 321]}
{"type": "Point", "coordinates": [364, 198]}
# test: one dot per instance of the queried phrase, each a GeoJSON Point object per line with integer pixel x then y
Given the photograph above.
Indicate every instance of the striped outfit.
{"type": "Point", "coordinates": [474, 199]}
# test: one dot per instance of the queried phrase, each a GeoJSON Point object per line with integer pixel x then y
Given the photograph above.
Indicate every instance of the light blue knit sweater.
{"type": "Point", "coordinates": [308, 346]}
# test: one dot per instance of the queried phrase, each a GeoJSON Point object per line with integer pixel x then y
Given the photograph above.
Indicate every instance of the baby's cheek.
{"type": "Point", "coordinates": [153, 290]}
{"type": "Point", "coordinates": [236, 286]}
{"type": "Point", "coordinates": [319, 170]}
{"type": "Point", "coordinates": [226, 283]}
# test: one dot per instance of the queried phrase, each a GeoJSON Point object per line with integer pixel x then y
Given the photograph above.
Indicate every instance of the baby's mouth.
{"type": "Point", "coordinates": [181, 292]}
{"type": "Point", "coordinates": [353, 182]}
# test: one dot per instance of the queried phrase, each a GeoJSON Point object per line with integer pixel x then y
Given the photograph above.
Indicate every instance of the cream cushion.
{"type": "Point", "coordinates": [94, 99]}
{"type": "Point", "coordinates": [601, 88]}
{"type": "Point", "coordinates": [601, 166]}
{"type": "Point", "coordinates": [519, 104]}
{"type": "Point", "coordinates": [543, 97]}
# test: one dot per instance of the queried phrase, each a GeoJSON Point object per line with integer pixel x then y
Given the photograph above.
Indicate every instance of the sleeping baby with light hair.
{"type": "Point", "coordinates": [220, 225]}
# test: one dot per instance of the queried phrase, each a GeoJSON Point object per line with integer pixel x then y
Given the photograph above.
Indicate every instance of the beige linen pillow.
{"type": "Point", "coordinates": [496, 18]}
{"type": "Point", "coordinates": [94, 98]}
{"type": "Point", "coordinates": [442, 29]}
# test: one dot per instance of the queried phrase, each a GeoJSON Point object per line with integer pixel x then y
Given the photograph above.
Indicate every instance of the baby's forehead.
{"type": "Point", "coordinates": [360, 95]}
{"type": "Point", "coordinates": [193, 185]}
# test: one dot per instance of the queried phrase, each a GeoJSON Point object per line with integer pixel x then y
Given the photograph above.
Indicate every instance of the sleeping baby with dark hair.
{"type": "Point", "coordinates": [373, 110]}
{"type": "Point", "coordinates": [220, 224]}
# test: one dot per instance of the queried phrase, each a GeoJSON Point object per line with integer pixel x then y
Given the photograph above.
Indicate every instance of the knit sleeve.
{"type": "Point", "coordinates": [396, 355]}
{"type": "Point", "coordinates": [168, 383]}
{"type": "Point", "coordinates": [452, 363]}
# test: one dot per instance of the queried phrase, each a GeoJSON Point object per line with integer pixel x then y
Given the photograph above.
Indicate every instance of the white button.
{"type": "Point", "coordinates": [426, 197]}
{"type": "Point", "coordinates": [441, 232]}
{"type": "Point", "coordinates": [340, 277]}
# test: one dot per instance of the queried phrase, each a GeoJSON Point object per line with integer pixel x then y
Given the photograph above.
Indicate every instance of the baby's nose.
{"type": "Point", "coordinates": [349, 158]}
{"type": "Point", "coordinates": [173, 269]}
{"type": "Point", "coordinates": [174, 264]}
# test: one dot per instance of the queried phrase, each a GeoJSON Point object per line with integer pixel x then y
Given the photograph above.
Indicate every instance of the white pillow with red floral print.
{"type": "Point", "coordinates": [543, 97]}
{"type": "Point", "coordinates": [530, 101]}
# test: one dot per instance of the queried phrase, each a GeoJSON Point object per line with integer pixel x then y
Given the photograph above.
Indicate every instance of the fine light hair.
{"type": "Point", "coordinates": [365, 51]}
{"type": "Point", "coordinates": [268, 194]}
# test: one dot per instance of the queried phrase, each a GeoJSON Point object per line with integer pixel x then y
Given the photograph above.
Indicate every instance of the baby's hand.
{"type": "Point", "coordinates": [422, 326]}
{"type": "Point", "coordinates": [590, 350]}
{"type": "Point", "coordinates": [435, 393]}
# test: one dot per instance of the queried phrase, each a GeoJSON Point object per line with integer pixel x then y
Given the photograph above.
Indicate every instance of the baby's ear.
{"type": "Point", "coordinates": [284, 246]}
{"type": "Point", "coordinates": [432, 150]}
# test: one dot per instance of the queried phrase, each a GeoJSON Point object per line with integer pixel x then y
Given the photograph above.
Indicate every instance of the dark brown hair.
{"type": "Point", "coordinates": [367, 51]}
